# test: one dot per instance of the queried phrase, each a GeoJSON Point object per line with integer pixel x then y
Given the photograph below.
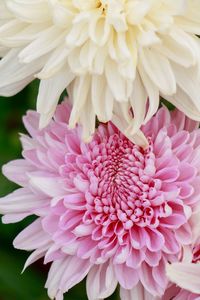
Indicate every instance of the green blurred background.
{"type": "Point", "coordinates": [13, 284]}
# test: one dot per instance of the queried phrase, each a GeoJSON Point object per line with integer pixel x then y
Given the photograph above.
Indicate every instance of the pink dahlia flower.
{"type": "Point", "coordinates": [107, 209]}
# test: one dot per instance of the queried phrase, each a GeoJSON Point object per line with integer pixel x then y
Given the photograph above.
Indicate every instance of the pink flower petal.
{"type": "Point", "coordinates": [137, 293]}
{"type": "Point", "coordinates": [126, 276]}
{"type": "Point", "coordinates": [185, 275]}
{"type": "Point", "coordinates": [148, 281]}
{"type": "Point", "coordinates": [169, 174]}
{"type": "Point", "coordinates": [17, 170]}
{"type": "Point", "coordinates": [32, 237]}
{"type": "Point", "coordinates": [21, 201]}
{"type": "Point", "coordinates": [101, 282]}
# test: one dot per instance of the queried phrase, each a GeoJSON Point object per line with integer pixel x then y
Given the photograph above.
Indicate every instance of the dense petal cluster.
{"type": "Point", "coordinates": [113, 54]}
{"type": "Point", "coordinates": [107, 209]}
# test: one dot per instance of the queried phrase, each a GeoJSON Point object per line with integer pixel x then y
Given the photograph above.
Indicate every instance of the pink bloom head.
{"type": "Point", "coordinates": [108, 209]}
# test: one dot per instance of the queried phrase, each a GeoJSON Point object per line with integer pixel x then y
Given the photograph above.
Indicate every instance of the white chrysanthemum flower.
{"type": "Point", "coordinates": [116, 56]}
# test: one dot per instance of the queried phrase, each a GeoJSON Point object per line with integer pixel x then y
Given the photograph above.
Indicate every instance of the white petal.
{"type": "Point", "coordinates": [14, 76]}
{"type": "Point", "coordinates": [189, 82]}
{"type": "Point", "coordinates": [117, 84]}
{"type": "Point", "coordinates": [159, 70]}
{"type": "Point", "coordinates": [29, 11]}
{"type": "Point", "coordinates": [183, 102]}
{"type": "Point", "coordinates": [152, 92]}
{"type": "Point", "coordinates": [102, 98]}
{"type": "Point", "coordinates": [81, 87]}
{"type": "Point", "coordinates": [55, 63]}
{"type": "Point", "coordinates": [88, 118]}
{"type": "Point", "coordinates": [121, 119]}
{"type": "Point", "coordinates": [179, 47]}
{"type": "Point", "coordinates": [48, 40]}
{"type": "Point", "coordinates": [49, 94]}
{"type": "Point", "coordinates": [138, 101]}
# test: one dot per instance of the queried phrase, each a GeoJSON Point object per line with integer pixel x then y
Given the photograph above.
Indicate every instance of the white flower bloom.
{"type": "Point", "coordinates": [113, 55]}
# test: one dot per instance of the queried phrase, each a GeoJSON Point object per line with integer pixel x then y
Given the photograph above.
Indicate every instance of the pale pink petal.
{"type": "Point", "coordinates": [32, 237]}
{"type": "Point", "coordinates": [135, 258]}
{"type": "Point", "coordinates": [185, 275]}
{"type": "Point", "coordinates": [63, 112]}
{"type": "Point", "coordinates": [66, 273]}
{"type": "Point", "coordinates": [17, 171]}
{"type": "Point", "coordinates": [37, 254]}
{"type": "Point", "coordinates": [14, 218]}
{"type": "Point", "coordinates": [49, 185]}
{"type": "Point", "coordinates": [126, 276]}
{"type": "Point", "coordinates": [101, 281]}
{"type": "Point", "coordinates": [137, 293]}
{"type": "Point", "coordinates": [31, 122]}
{"type": "Point", "coordinates": [21, 201]}
{"type": "Point", "coordinates": [146, 277]}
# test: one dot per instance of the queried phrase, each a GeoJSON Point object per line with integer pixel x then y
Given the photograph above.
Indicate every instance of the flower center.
{"type": "Point", "coordinates": [123, 187]}
{"type": "Point", "coordinates": [102, 5]}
